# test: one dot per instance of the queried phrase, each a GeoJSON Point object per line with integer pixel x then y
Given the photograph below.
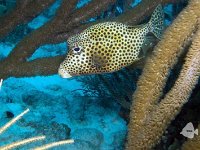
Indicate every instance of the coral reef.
{"type": "Point", "coordinates": [151, 114]}
{"type": "Point", "coordinates": [59, 114]}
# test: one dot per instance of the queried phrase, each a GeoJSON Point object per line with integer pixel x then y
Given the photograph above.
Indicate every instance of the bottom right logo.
{"type": "Point", "coordinates": [189, 131]}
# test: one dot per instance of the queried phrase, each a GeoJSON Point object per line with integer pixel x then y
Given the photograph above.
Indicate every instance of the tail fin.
{"type": "Point", "coordinates": [196, 131]}
{"type": "Point", "coordinates": [156, 23]}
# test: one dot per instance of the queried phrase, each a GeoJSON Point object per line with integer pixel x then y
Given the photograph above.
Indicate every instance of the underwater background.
{"type": "Point", "coordinates": [93, 110]}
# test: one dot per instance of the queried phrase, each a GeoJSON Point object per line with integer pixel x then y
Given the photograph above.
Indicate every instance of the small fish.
{"type": "Point", "coordinates": [109, 46]}
{"type": "Point", "coordinates": [188, 131]}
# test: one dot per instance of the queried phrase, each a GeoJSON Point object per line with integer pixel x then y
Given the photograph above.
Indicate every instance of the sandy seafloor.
{"type": "Point", "coordinates": [55, 111]}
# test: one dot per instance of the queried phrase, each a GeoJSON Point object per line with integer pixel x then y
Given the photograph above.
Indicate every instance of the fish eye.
{"type": "Point", "coordinates": [77, 49]}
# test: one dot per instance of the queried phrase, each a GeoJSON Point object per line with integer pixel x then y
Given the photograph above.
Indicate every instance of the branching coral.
{"type": "Point", "coordinates": [29, 140]}
{"type": "Point", "coordinates": [25, 10]}
{"type": "Point", "coordinates": [149, 117]}
{"type": "Point", "coordinates": [66, 22]}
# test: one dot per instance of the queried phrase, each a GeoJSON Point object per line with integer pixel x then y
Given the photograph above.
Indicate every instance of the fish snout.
{"type": "Point", "coordinates": [63, 73]}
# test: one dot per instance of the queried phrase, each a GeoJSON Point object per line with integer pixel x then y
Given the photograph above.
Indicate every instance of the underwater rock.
{"type": "Point", "coordinates": [91, 135]}
{"type": "Point", "coordinates": [54, 87]}
{"type": "Point", "coordinates": [17, 84]}
{"type": "Point", "coordinates": [55, 131]}
{"type": "Point", "coordinates": [77, 112]}
{"type": "Point", "coordinates": [36, 98]}
{"type": "Point", "coordinates": [12, 90]}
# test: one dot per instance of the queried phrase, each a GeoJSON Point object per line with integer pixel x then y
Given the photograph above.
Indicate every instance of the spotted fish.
{"type": "Point", "coordinates": [109, 46]}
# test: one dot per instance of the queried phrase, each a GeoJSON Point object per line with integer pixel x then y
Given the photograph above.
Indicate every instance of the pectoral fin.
{"type": "Point", "coordinates": [149, 43]}
{"type": "Point", "coordinates": [146, 51]}
{"type": "Point", "coordinates": [98, 61]}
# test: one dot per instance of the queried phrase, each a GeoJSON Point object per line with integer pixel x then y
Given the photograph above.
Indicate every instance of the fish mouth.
{"type": "Point", "coordinates": [63, 73]}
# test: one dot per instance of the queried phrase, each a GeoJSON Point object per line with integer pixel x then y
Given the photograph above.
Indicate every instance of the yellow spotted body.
{"type": "Point", "coordinates": [108, 47]}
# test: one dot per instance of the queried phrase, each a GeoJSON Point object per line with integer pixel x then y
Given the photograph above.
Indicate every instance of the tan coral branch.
{"type": "Point", "coordinates": [155, 74]}
{"type": "Point", "coordinates": [25, 11]}
{"type": "Point", "coordinates": [171, 105]}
